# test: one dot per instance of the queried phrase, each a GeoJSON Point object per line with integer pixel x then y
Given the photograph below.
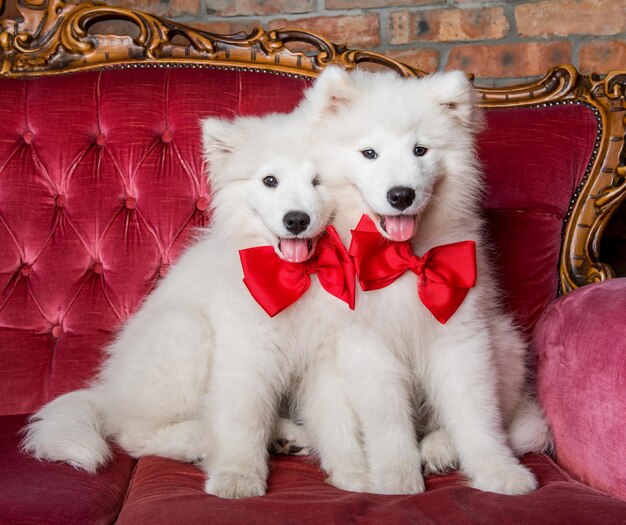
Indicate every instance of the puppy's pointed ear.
{"type": "Point", "coordinates": [218, 137]}
{"type": "Point", "coordinates": [456, 94]}
{"type": "Point", "coordinates": [333, 90]}
{"type": "Point", "coordinates": [219, 140]}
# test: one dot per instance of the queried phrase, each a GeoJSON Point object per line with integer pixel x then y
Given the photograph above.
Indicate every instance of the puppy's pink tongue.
{"type": "Point", "coordinates": [295, 250]}
{"type": "Point", "coordinates": [399, 227]}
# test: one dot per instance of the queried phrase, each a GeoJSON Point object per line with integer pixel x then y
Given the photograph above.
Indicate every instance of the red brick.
{"type": "Point", "coordinates": [219, 27]}
{"type": "Point", "coordinates": [259, 7]}
{"type": "Point", "coordinates": [426, 60]}
{"type": "Point", "coordinates": [602, 56]}
{"type": "Point", "coordinates": [571, 17]}
{"type": "Point", "coordinates": [114, 27]}
{"type": "Point", "coordinates": [446, 25]}
{"type": "Point", "coordinates": [357, 31]}
{"type": "Point", "coordinates": [227, 27]}
{"type": "Point", "coordinates": [172, 8]}
{"type": "Point", "coordinates": [367, 4]}
{"type": "Point", "coordinates": [509, 60]}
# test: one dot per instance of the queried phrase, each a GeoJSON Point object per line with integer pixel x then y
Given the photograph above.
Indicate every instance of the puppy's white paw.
{"type": "Point", "coordinates": [290, 439]}
{"type": "Point", "coordinates": [234, 485]}
{"type": "Point", "coordinates": [351, 481]}
{"type": "Point", "coordinates": [399, 480]}
{"type": "Point", "coordinates": [438, 453]}
{"type": "Point", "coordinates": [512, 479]}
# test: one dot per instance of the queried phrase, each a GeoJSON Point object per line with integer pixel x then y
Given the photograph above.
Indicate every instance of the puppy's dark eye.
{"type": "Point", "coordinates": [369, 153]}
{"type": "Point", "coordinates": [316, 180]}
{"type": "Point", "coordinates": [419, 151]}
{"type": "Point", "coordinates": [270, 181]}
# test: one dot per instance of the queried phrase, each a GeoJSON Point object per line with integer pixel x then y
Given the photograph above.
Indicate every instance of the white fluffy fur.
{"type": "Point", "coordinates": [199, 369]}
{"type": "Point", "coordinates": [472, 369]}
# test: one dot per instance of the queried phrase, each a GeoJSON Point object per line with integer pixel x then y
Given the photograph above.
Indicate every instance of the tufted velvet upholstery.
{"type": "Point", "coordinates": [101, 185]}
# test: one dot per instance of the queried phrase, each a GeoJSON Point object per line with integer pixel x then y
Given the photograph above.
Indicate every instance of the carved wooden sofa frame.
{"type": "Point", "coordinates": [42, 38]}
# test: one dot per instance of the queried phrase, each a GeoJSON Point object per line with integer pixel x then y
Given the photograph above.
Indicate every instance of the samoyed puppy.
{"type": "Point", "coordinates": [199, 370]}
{"type": "Point", "coordinates": [401, 154]}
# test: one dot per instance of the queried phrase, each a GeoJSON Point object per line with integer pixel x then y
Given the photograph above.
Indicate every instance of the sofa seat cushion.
{"type": "Point", "coordinates": [39, 492]}
{"type": "Point", "coordinates": [164, 492]}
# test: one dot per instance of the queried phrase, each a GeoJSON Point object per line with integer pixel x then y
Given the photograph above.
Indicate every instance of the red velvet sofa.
{"type": "Point", "coordinates": [101, 183]}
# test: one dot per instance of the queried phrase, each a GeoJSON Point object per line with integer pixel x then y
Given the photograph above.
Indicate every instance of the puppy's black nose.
{"type": "Point", "coordinates": [400, 197]}
{"type": "Point", "coordinates": [296, 221]}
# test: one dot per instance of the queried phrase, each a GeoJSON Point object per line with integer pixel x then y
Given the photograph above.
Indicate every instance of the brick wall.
{"type": "Point", "coordinates": [498, 40]}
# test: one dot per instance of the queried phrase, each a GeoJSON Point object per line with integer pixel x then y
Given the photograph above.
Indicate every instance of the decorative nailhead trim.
{"type": "Point", "coordinates": [166, 65]}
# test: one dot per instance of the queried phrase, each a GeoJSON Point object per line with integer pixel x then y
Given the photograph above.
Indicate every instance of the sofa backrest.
{"type": "Point", "coordinates": [102, 184]}
{"type": "Point", "coordinates": [535, 160]}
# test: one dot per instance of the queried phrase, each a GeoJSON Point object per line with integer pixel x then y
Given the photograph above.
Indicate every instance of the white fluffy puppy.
{"type": "Point", "coordinates": [402, 153]}
{"type": "Point", "coordinates": [199, 369]}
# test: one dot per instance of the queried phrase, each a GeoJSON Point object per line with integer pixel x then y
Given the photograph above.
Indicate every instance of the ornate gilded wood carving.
{"type": "Point", "coordinates": [54, 37]}
{"type": "Point", "coordinates": [50, 37]}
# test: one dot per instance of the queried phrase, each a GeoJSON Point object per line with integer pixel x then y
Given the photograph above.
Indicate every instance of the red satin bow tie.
{"type": "Point", "coordinates": [276, 284]}
{"type": "Point", "coordinates": [445, 273]}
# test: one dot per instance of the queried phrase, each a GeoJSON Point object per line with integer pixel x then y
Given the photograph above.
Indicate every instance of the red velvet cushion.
{"type": "Point", "coordinates": [34, 492]}
{"type": "Point", "coordinates": [581, 346]}
{"type": "Point", "coordinates": [165, 492]}
{"type": "Point", "coordinates": [101, 181]}
{"type": "Point", "coordinates": [534, 159]}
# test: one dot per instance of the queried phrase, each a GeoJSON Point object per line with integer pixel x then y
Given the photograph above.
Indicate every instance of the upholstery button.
{"type": "Point", "coordinates": [57, 331]}
{"type": "Point", "coordinates": [100, 139]}
{"type": "Point", "coordinates": [130, 203]}
{"type": "Point", "coordinates": [97, 267]}
{"type": "Point", "coordinates": [28, 137]}
{"type": "Point", "coordinates": [166, 136]}
{"type": "Point", "coordinates": [202, 203]}
{"type": "Point", "coordinates": [25, 269]}
{"type": "Point", "coordinates": [60, 200]}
